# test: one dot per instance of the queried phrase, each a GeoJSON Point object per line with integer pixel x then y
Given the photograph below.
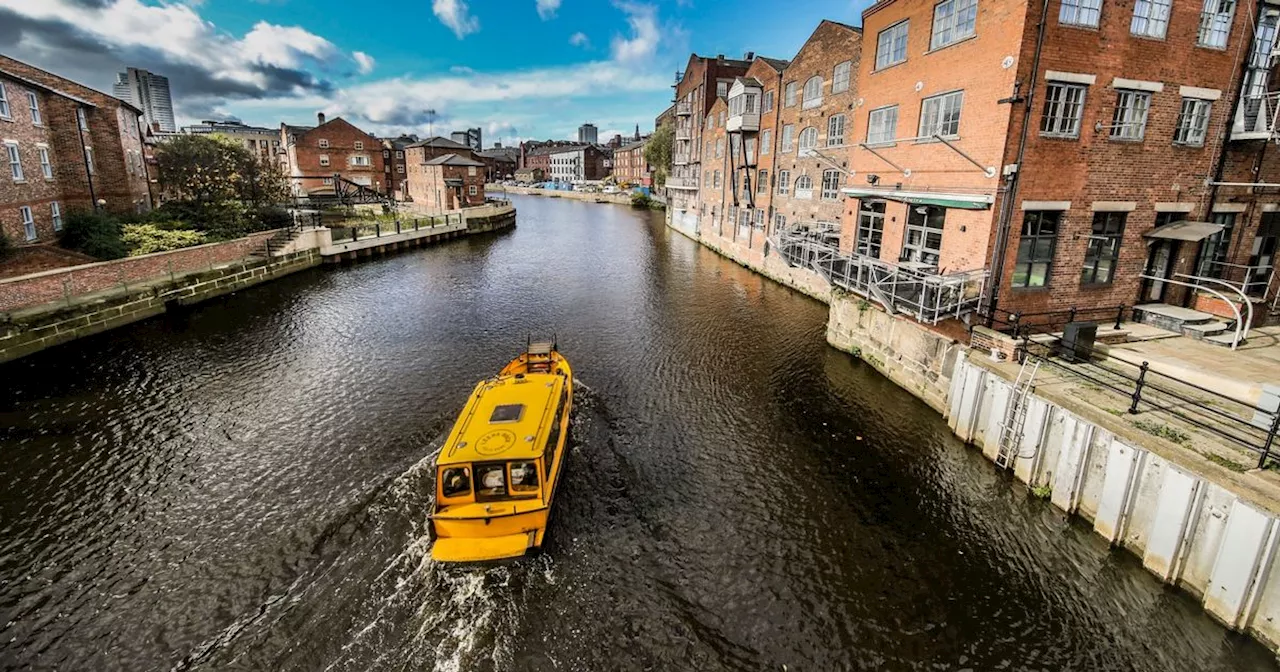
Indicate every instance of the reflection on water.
{"type": "Point", "coordinates": [244, 486]}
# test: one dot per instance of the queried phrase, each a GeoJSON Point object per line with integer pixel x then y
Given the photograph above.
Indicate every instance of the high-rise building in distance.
{"type": "Point", "coordinates": [150, 93]}
{"type": "Point", "coordinates": [587, 133]}
{"type": "Point", "coordinates": [469, 137]}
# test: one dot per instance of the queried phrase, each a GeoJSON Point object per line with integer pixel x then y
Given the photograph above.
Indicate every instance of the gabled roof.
{"type": "Point", "coordinates": [778, 64]}
{"type": "Point", "coordinates": [439, 143]}
{"type": "Point", "coordinates": [503, 153]}
{"type": "Point", "coordinates": [452, 160]}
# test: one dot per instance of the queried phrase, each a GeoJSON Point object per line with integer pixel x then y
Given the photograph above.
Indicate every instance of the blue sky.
{"type": "Point", "coordinates": [517, 68]}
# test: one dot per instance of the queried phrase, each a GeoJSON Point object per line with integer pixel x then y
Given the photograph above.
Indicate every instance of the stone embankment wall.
{"type": "Point", "coordinates": [620, 199]}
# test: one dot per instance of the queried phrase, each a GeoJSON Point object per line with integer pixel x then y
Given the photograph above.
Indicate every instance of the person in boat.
{"type": "Point", "coordinates": [457, 481]}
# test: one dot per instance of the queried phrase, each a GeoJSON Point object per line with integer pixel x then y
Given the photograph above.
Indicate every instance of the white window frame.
{"type": "Point", "coordinates": [882, 125]}
{"type": "Point", "coordinates": [789, 96]}
{"type": "Point", "coordinates": [360, 160]}
{"type": "Point", "coordinates": [34, 101]}
{"type": "Point", "coordinates": [835, 130]}
{"type": "Point", "coordinates": [88, 160]}
{"type": "Point", "coordinates": [1193, 122]}
{"type": "Point", "coordinates": [932, 121]}
{"type": "Point", "coordinates": [812, 95]}
{"type": "Point", "coordinates": [324, 160]}
{"type": "Point", "coordinates": [831, 185]}
{"type": "Point", "coordinates": [14, 159]}
{"type": "Point", "coordinates": [808, 138]}
{"type": "Point", "coordinates": [788, 137]}
{"type": "Point", "coordinates": [328, 181]}
{"type": "Point", "coordinates": [5, 112]}
{"type": "Point", "coordinates": [1215, 24]}
{"type": "Point", "coordinates": [840, 77]}
{"type": "Point", "coordinates": [804, 187]}
{"type": "Point", "coordinates": [324, 143]}
{"type": "Point", "coordinates": [1063, 110]}
{"type": "Point", "coordinates": [784, 182]}
{"type": "Point", "coordinates": [766, 102]}
{"type": "Point", "coordinates": [55, 213]}
{"type": "Point", "coordinates": [46, 165]}
{"type": "Point", "coordinates": [1150, 18]}
{"type": "Point", "coordinates": [28, 223]}
{"type": "Point", "coordinates": [891, 42]}
{"type": "Point", "coordinates": [953, 21]}
{"type": "Point", "coordinates": [360, 145]}
{"type": "Point", "coordinates": [1129, 119]}
{"type": "Point", "coordinates": [82, 119]}
{"type": "Point", "coordinates": [472, 191]}
{"type": "Point", "coordinates": [1080, 13]}
{"type": "Point", "coordinates": [766, 139]}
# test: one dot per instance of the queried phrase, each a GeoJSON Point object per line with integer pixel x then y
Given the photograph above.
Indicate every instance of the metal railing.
{"type": "Point", "coordinates": [1238, 325]}
{"type": "Point", "coordinates": [1018, 324]}
{"type": "Point", "coordinates": [921, 292]}
{"type": "Point", "coordinates": [682, 182]}
{"type": "Point", "coordinates": [684, 109]}
{"type": "Point", "coordinates": [379, 228]}
{"type": "Point", "coordinates": [1256, 117]}
{"type": "Point", "coordinates": [1254, 281]}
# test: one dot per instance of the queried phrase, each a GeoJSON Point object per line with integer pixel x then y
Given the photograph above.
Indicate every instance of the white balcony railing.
{"type": "Point", "coordinates": [684, 132]}
{"type": "Point", "coordinates": [684, 109]}
{"type": "Point", "coordinates": [682, 182]}
{"type": "Point", "coordinates": [1256, 117]}
{"type": "Point", "coordinates": [680, 159]}
{"type": "Point", "coordinates": [922, 292]}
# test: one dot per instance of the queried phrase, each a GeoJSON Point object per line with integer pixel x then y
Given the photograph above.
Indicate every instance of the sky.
{"type": "Point", "coordinates": [518, 69]}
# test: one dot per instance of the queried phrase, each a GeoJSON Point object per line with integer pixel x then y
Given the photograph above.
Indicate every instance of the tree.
{"type": "Point", "coordinates": [261, 181]}
{"type": "Point", "coordinates": [658, 153]}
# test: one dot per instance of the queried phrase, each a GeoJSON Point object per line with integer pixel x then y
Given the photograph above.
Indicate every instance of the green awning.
{"type": "Point", "coordinates": [957, 201]}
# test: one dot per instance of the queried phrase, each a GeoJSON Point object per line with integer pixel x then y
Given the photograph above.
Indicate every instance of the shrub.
{"type": "Point", "coordinates": [147, 238]}
{"type": "Point", "coordinates": [272, 217]}
{"type": "Point", "coordinates": [640, 200]}
{"type": "Point", "coordinates": [96, 234]}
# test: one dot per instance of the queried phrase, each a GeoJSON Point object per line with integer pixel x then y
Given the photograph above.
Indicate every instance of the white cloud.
{"type": "Point", "coordinates": [547, 9]}
{"type": "Point", "coordinates": [643, 42]}
{"type": "Point", "coordinates": [457, 16]}
{"type": "Point", "coordinates": [364, 61]}
{"type": "Point", "coordinates": [579, 40]}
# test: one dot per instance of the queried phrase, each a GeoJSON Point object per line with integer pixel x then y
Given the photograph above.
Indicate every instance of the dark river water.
{"type": "Point", "coordinates": [244, 486]}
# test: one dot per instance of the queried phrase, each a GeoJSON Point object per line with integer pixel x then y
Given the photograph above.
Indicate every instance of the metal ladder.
{"type": "Point", "coordinates": [1015, 414]}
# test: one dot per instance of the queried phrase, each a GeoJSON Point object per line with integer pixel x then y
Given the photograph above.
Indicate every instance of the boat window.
{"type": "Point", "coordinates": [455, 482]}
{"type": "Point", "coordinates": [491, 480]}
{"type": "Point", "coordinates": [524, 477]}
{"type": "Point", "coordinates": [506, 413]}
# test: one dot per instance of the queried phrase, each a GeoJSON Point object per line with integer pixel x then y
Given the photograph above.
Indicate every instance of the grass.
{"type": "Point", "coordinates": [1224, 462]}
{"type": "Point", "coordinates": [1041, 491]}
{"type": "Point", "coordinates": [1164, 431]}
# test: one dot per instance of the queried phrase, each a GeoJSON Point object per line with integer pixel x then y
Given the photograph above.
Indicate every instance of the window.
{"type": "Point", "coordinates": [324, 143]}
{"type": "Point", "coordinates": [1035, 248]}
{"type": "Point", "coordinates": [324, 159]}
{"type": "Point", "coordinates": [1104, 248]}
{"type": "Point", "coordinates": [835, 131]}
{"type": "Point", "coordinates": [1080, 12]}
{"type": "Point", "coordinates": [46, 168]}
{"type": "Point", "coordinates": [360, 160]}
{"type": "Point", "coordinates": [923, 243]}
{"type": "Point", "coordinates": [1130, 119]}
{"type": "Point", "coordinates": [1063, 108]}
{"type": "Point", "coordinates": [891, 45]}
{"type": "Point", "coordinates": [1215, 23]}
{"type": "Point", "coordinates": [1193, 122]}
{"type": "Point", "coordinates": [790, 95]}
{"type": "Point", "coordinates": [711, 122]}
{"type": "Point", "coordinates": [788, 134]}
{"type": "Point", "coordinates": [722, 89]}
{"type": "Point", "coordinates": [399, 155]}
{"type": "Point", "coordinates": [82, 119]}
{"type": "Point", "coordinates": [940, 115]}
{"type": "Point", "coordinates": [762, 182]}
{"type": "Point", "coordinates": [359, 144]}
{"type": "Point", "coordinates": [784, 181]}
{"type": "Point", "coordinates": [882, 125]}
{"type": "Point", "coordinates": [766, 139]}
{"type": "Point", "coordinates": [400, 168]}
{"type": "Point", "coordinates": [386, 154]}
{"type": "Point", "coordinates": [524, 477]}
{"type": "Point", "coordinates": [491, 481]}
{"type": "Point", "coordinates": [766, 104]}
{"type": "Point", "coordinates": [4, 102]}
{"type": "Point", "coordinates": [953, 20]}
{"type": "Point", "coordinates": [88, 161]}
{"type": "Point", "coordinates": [870, 228]}
{"type": "Point", "coordinates": [471, 190]}
{"type": "Point", "coordinates": [719, 147]}
{"type": "Point", "coordinates": [328, 181]}
{"type": "Point", "coordinates": [715, 180]}
{"type": "Point", "coordinates": [840, 78]}
{"type": "Point", "coordinates": [1150, 18]}
{"type": "Point", "coordinates": [455, 482]}
{"type": "Point", "coordinates": [1213, 250]}
{"type": "Point", "coordinates": [812, 92]}
{"type": "Point", "coordinates": [830, 185]}
{"type": "Point", "coordinates": [15, 161]}
{"type": "Point", "coordinates": [759, 218]}
{"type": "Point", "coordinates": [55, 213]}
{"type": "Point", "coordinates": [28, 222]}
{"type": "Point", "coordinates": [804, 187]}
{"type": "Point", "coordinates": [808, 138]}
{"type": "Point", "coordinates": [34, 102]}
{"type": "Point", "coordinates": [471, 171]}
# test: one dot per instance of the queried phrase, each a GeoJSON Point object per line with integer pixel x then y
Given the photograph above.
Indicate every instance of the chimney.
{"type": "Point", "coordinates": [320, 118]}
{"type": "Point", "coordinates": [750, 55]}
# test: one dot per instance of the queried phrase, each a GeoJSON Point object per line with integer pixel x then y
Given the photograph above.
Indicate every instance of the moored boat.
{"type": "Point", "coordinates": [497, 474]}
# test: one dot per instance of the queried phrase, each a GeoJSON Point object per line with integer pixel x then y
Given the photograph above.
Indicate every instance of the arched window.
{"type": "Point", "coordinates": [808, 138]}
{"type": "Point", "coordinates": [813, 92]}
{"type": "Point", "coordinates": [804, 182]}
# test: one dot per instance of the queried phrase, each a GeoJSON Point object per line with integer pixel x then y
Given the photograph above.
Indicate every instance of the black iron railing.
{"type": "Point", "coordinates": [1016, 324]}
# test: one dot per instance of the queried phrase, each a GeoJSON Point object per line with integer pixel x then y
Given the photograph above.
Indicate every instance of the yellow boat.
{"type": "Point", "coordinates": [497, 473]}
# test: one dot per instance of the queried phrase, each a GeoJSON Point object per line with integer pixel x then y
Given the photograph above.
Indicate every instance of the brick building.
{"type": "Point", "coordinates": [313, 155]}
{"type": "Point", "coordinates": [447, 182]}
{"type": "Point", "coordinates": [394, 165]}
{"type": "Point", "coordinates": [264, 142]}
{"type": "Point", "coordinates": [630, 166]}
{"type": "Point", "coordinates": [499, 162]}
{"type": "Point", "coordinates": [578, 163]}
{"type": "Point", "coordinates": [66, 147]}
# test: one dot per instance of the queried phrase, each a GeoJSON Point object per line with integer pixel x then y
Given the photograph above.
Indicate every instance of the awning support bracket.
{"type": "Point", "coordinates": [989, 171]}
{"type": "Point", "coordinates": [882, 157]}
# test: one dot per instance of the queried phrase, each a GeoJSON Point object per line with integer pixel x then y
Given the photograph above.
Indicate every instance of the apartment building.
{"type": "Point", "coordinates": [264, 142]}
{"type": "Point", "coordinates": [630, 166]}
{"type": "Point", "coordinates": [148, 92]}
{"type": "Point", "coordinates": [447, 182]}
{"type": "Point", "coordinates": [315, 155]}
{"type": "Point", "coordinates": [395, 165]}
{"type": "Point", "coordinates": [65, 147]}
{"type": "Point", "coordinates": [578, 163]}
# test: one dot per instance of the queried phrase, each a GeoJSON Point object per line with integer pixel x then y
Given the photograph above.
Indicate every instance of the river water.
{"type": "Point", "coordinates": [243, 486]}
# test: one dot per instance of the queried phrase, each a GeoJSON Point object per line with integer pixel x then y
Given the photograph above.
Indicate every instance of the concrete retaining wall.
{"type": "Point", "coordinates": [1204, 531]}
{"type": "Point", "coordinates": [619, 199]}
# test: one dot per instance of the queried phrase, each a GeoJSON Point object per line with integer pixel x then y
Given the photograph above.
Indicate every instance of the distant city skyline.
{"type": "Point", "coordinates": [148, 92]}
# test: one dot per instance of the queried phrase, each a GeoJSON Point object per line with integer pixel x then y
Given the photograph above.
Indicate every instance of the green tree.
{"type": "Point", "coordinates": [94, 233]}
{"type": "Point", "coordinates": [200, 168]}
{"type": "Point", "coordinates": [658, 153]}
{"type": "Point", "coordinates": [260, 181]}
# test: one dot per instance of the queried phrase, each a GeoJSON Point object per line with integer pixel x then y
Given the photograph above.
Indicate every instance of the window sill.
{"type": "Point", "coordinates": [880, 145]}
{"type": "Point", "coordinates": [1060, 136]}
{"type": "Point", "coordinates": [3, 118]}
{"type": "Point", "coordinates": [962, 40]}
{"type": "Point", "coordinates": [930, 140]}
{"type": "Point", "coordinates": [1127, 141]}
{"type": "Point", "coordinates": [19, 181]}
{"type": "Point", "coordinates": [1149, 38]}
{"type": "Point", "coordinates": [888, 66]}
{"type": "Point", "coordinates": [1030, 290]}
{"type": "Point", "coordinates": [1188, 145]}
{"type": "Point", "coordinates": [1078, 26]}
{"type": "Point", "coordinates": [1211, 47]}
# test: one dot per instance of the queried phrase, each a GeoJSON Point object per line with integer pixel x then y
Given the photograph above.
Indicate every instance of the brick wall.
{"type": "Point", "coordinates": [344, 142]}
{"type": "Point", "coordinates": [57, 285]}
{"type": "Point", "coordinates": [432, 194]}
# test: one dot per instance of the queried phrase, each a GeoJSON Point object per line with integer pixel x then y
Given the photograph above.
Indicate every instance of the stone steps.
{"type": "Point", "coordinates": [1191, 323]}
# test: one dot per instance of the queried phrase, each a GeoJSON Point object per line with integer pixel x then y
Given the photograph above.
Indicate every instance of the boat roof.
{"type": "Point", "coordinates": [505, 419]}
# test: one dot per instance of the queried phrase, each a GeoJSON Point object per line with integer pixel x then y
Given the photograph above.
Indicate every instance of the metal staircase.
{"type": "Point", "coordinates": [1015, 414]}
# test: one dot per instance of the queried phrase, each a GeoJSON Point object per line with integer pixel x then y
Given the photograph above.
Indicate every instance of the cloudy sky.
{"type": "Point", "coordinates": [516, 68]}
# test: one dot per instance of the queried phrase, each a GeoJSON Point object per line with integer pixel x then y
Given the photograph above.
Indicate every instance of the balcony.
{"type": "Point", "coordinates": [680, 159]}
{"type": "Point", "coordinates": [1256, 117]}
{"type": "Point", "coordinates": [684, 132]}
{"type": "Point", "coordinates": [744, 106]}
{"type": "Point", "coordinates": [915, 290]}
{"type": "Point", "coordinates": [682, 182]}
{"type": "Point", "coordinates": [684, 109]}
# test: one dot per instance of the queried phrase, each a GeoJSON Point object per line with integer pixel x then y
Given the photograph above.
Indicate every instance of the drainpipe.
{"type": "Point", "coordinates": [1011, 191]}
{"type": "Point", "coordinates": [773, 137]}
{"type": "Point", "coordinates": [84, 153]}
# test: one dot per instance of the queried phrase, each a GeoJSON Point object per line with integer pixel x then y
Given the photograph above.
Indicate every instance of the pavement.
{"type": "Point", "coordinates": [1239, 374]}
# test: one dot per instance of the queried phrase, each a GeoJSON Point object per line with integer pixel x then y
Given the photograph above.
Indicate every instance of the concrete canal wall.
{"type": "Point", "coordinates": [1197, 525]}
{"type": "Point", "coordinates": [619, 199]}
{"type": "Point", "coordinates": [54, 307]}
